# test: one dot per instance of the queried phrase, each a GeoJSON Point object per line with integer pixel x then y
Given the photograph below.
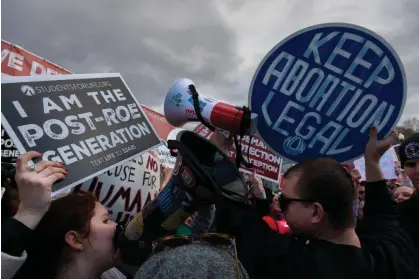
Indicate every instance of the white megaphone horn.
{"type": "Point", "coordinates": [182, 103]}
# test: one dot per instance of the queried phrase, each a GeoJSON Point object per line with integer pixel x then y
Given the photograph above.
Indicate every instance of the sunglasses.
{"type": "Point", "coordinates": [410, 164]}
{"type": "Point", "coordinates": [284, 202]}
{"type": "Point", "coordinates": [223, 241]}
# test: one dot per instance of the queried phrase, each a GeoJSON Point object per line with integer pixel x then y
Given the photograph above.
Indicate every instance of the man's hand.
{"type": "Point", "coordinates": [34, 185]}
{"type": "Point", "coordinates": [256, 182]}
{"type": "Point", "coordinates": [376, 148]}
{"type": "Point", "coordinates": [374, 151]}
{"type": "Point", "coordinates": [166, 174]}
{"type": "Point", "coordinates": [356, 176]}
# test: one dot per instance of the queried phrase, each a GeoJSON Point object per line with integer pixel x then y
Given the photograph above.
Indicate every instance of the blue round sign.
{"type": "Point", "coordinates": [319, 91]}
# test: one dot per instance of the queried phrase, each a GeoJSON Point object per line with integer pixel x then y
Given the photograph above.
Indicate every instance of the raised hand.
{"type": "Point", "coordinates": [376, 148]}
{"type": "Point", "coordinates": [374, 151]}
{"type": "Point", "coordinates": [34, 185]}
{"type": "Point", "coordinates": [256, 182]}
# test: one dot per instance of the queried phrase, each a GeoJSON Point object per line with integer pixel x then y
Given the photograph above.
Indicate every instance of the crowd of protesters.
{"type": "Point", "coordinates": [324, 223]}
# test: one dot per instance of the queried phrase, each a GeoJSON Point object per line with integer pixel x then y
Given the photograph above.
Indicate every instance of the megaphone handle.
{"type": "Point", "coordinates": [195, 99]}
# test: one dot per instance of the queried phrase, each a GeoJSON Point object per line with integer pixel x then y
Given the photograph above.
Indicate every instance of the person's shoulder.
{"type": "Point", "coordinates": [410, 205]}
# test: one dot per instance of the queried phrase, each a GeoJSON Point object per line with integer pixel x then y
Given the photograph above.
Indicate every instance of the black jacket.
{"type": "Point", "coordinates": [409, 217]}
{"type": "Point", "coordinates": [386, 250]}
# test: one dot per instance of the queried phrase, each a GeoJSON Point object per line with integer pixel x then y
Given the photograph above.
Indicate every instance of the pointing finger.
{"type": "Point", "coordinates": [373, 133]}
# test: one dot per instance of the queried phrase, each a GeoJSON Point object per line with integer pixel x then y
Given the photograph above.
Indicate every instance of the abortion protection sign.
{"type": "Point", "coordinates": [319, 91]}
{"type": "Point", "coordinates": [266, 164]}
{"type": "Point", "coordinates": [89, 122]}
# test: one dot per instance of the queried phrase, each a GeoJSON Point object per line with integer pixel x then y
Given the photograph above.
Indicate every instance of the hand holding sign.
{"type": "Point", "coordinates": [257, 183]}
{"type": "Point", "coordinates": [34, 186]}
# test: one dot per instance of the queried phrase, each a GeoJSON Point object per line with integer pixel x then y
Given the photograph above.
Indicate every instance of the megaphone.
{"type": "Point", "coordinates": [202, 175]}
{"type": "Point", "coordinates": [183, 104]}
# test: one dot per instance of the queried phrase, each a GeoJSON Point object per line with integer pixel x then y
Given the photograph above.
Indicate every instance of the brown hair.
{"type": "Point", "coordinates": [48, 252]}
{"type": "Point", "coordinates": [324, 180]}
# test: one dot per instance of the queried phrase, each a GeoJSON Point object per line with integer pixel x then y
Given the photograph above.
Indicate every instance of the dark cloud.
{"type": "Point", "coordinates": [151, 43]}
{"type": "Point", "coordinates": [217, 43]}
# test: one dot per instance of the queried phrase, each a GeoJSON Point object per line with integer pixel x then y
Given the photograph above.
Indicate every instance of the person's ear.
{"type": "Point", "coordinates": [318, 213]}
{"type": "Point", "coordinates": [74, 240]}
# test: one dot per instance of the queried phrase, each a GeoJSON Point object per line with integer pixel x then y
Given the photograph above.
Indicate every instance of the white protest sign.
{"type": "Point", "coordinates": [386, 163]}
{"type": "Point", "coordinates": [163, 153]}
{"type": "Point", "coordinates": [125, 189]}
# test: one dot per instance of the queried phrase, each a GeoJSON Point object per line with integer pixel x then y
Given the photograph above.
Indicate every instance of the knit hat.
{"type": "Point", "coordinates": [192, 261]}
{"type": "Point", "coordinates": [409, 149]}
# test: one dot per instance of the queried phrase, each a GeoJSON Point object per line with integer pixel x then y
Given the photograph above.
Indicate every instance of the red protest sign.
{"type": "Point", "coordinates": [159, 122]}
{"type": "Point", "coordinates": [16, 61]}
{"type": "Point", "coordinates": [266, 164]}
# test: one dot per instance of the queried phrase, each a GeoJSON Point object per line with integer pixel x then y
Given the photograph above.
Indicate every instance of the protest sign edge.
{"type": "Point", "coordinates": [37, 56]}
{"type": "Point", "coordinates": [142, 111]}
{"type": "Point", "coordinates": [22, 79]}
{"type": "Point", "coordinates": [331, 24]}
{"type": "Point", "coordinates": [101, 171]}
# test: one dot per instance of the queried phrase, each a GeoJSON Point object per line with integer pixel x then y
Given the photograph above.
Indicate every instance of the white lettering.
{"type": "Point", "coordinates": [316, 43]}
{"type": "Point", "coordinates": [284, 117]}
{"type": "Point", "coordinates": [339, 51]}
{"type": "Point", "coordinates": [310, 129]}
{"type": "Point", "coordinates": [293, 78]}
{"type": "Point", "coordinates": [359, 60]}
{"type": "Point", "coordinates": [50, 105]}
{"type": "Point", "coordinates": [272, 71]}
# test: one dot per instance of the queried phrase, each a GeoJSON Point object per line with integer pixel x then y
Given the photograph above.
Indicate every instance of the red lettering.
{"type": "Point", "coordinates": [152, 164]}
{"type": "Point", "coordinates": [135, 202]}
{"type": "Point", "coordinates": [108, 194]}
{"type": "Point", "coordinates": [122, 193]}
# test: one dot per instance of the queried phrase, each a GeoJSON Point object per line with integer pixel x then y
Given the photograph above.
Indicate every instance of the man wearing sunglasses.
{"type": "Point", "coordinates": [409, 209]}
{"type": "Point", "coordinates": [317, 202]}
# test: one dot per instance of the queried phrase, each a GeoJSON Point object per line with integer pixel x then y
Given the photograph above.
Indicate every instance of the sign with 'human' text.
{"type": "Point", "coordinates": [126, 188]}
{"type": "Point", "coordinates": [89, 122]}
{"type": "Point", "coordinates": [319, 91]}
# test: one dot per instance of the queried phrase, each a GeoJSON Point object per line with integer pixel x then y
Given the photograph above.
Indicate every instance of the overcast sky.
{"type": "Point", "coordinates": [218, 44]}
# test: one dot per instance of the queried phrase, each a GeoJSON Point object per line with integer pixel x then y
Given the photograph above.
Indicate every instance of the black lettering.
{"type": "Point", "coordinates": [117, 173]}
{"type": "Point", "coordinates": [153, 181]}
{"type": "Point", "coordinates": [124, 177]}
{"type": "Point", "coordinates": [131, 173]}
{"type": "Point", "coordinates": [146, 177]}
